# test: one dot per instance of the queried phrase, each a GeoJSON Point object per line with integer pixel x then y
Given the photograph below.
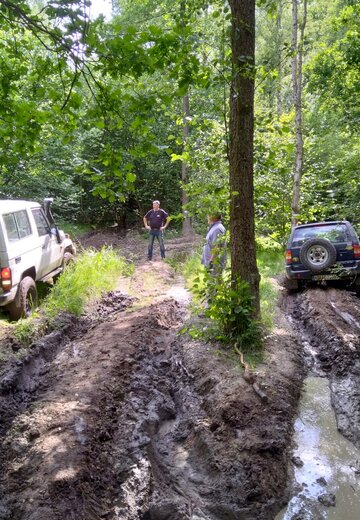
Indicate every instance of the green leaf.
{"type": "Point", "coordinates": [130, 177]}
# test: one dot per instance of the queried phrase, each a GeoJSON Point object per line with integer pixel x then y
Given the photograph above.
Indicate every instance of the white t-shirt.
{"type": "Point", "coordinates": [213, 238]}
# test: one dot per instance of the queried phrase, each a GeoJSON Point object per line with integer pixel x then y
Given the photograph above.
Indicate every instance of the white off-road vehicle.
{"type": "Point", "coordinates": [32, 249]}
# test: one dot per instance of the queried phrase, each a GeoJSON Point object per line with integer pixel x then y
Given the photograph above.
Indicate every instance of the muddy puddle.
{"type": "Point", "coordinates": [179, 293]}
{"type": "Point", "coordinates": [326, 483]}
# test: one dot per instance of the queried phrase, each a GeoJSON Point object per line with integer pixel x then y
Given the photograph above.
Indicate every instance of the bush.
{"type": "Point", "coordinates": [230, 305]}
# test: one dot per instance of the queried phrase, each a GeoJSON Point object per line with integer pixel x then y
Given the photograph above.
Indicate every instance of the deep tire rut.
{"type": "Point", "coordinates": [130, 421]}
{"type": "Point", "coordinates": [330, 319]}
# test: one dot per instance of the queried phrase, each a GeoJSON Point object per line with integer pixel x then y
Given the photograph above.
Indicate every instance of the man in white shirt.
{"type": "Point", "coordinates": [214, 251]}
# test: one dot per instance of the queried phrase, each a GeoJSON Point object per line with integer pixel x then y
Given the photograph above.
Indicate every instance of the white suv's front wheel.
{"type": "Point", "coordinates": [25, 300]}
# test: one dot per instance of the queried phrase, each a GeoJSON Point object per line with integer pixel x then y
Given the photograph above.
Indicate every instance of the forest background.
{"type": "Point", "coordinates": [107, 115]}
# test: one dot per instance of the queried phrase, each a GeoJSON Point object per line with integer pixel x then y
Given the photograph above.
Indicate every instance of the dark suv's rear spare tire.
{"type": "Point", "coordinates": [25, 300]}
{"type": "Point", "coordinates": [317, 254]}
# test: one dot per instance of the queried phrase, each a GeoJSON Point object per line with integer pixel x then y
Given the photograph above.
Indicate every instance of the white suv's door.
{"type": "Point", "coordinates": [21, 245]}
{"type": "Point", "coordinates": [51, 253]}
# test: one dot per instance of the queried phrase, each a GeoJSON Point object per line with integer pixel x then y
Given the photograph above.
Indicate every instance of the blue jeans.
{"type": "Point", "coordinates": [159, 235]}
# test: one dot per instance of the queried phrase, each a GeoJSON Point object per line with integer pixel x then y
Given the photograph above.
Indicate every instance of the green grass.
{"type": "Point", "coordinates": [83, 281]}
{"type": "Point", "coordinates": [270, 260]}
{"type": "Point", "coordinates": [29, 330]}
{"type": "Point", "coordinates": [93, 272]}
{"type": "Point", "coordinates": [270, 257]}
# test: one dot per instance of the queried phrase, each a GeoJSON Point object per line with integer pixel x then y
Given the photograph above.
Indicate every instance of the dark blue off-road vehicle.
{"type": "Point", "coordinates": [322, 252]}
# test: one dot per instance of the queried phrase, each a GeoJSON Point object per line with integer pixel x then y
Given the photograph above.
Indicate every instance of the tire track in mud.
{"type": "Point", "coordinates": [194, 441]}
{"type": "Point", "coordinates": [130, 421]}
{"type": "Point", "coordinates": [32, 411]}
{"type": "Point", "coordinates": [56, 462]}
{"type": "Point", "coordinates": [330, 320]}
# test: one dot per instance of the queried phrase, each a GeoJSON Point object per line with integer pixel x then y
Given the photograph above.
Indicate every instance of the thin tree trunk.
{"type": "Point", "coordinates": [242, 214]}
{"type": "Point", "coordinates": [187, 228]}
{"type": "Point", "coordinates": [224, 47]}
{"type": "Point", "coordinates": [297, 88]}
{"type": "Point", "coordinates": [279, 64]}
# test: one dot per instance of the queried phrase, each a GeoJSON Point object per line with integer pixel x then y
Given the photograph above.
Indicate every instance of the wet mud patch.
{"type": "Point", "coordinates": [26, 372]}
{"type": "Point", "coordinates": [20, 371]}
{"type": "Point", "coordinates": [329, 319]}
{"type": "Point", "coordinates": [55, 451]}
{"type": "Point", "coordinates": [175, 440]}
{"type": "Point", "coordinates": [131, 421]}
{"type": "Point", "coordinates": [225, 449]}
{"type": "Point", "coordinates": [126, 420]}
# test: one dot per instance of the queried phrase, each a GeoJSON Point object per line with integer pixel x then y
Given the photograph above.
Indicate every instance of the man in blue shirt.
{"type": "Point", "coordinates": [156, 220]}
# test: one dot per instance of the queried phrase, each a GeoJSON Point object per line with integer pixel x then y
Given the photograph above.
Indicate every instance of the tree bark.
{"type": "Point", "coordinates": [297, 61]}
{"type": "Point", "coordinates": [187, 228]}
{"type": "Point", "coordinates": [242, 214]}
{"type": "Point", "coordinates": [279, 64]}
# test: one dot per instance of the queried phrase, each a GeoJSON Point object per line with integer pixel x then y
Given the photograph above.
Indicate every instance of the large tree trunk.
{"type": "Point", "coordinates": [242, 215]}
{"type": "Point", "coordinates": [297, 89]}
{"type": "Point", "coordinates": [187, 228]}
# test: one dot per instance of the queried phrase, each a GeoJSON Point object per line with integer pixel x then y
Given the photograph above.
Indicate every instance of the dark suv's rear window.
{"type": "Point", "coordinates": [336, 233]}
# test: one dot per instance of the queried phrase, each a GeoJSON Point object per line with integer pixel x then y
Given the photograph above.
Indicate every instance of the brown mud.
{"type": "Point", "coordinates": [116, 416]}
{"type": "Point", "coordinates": [330, 319]}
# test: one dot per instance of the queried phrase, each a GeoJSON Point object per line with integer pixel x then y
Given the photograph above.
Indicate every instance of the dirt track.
{"type": "Point", "coordinates": [120, 418]}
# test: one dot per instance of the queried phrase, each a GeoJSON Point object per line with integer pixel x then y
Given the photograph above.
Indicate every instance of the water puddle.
{"type": "Point", "coordinates": [179, 294]}
{"type": "Point", "coordinates": [310, 353]}
{"type": "Point", "coordinates": [80, 428]}
{"type": "Point", "coordinates": [330, 467]}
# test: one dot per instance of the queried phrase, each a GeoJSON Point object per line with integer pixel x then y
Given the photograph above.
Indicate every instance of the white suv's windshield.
{"type": "Point", "coordinates": [40, 221]}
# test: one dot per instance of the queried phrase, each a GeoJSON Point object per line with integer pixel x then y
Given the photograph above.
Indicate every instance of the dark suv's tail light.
{"type": "Point", "coordinates": [288, 256]}
{"type": "Point", "coordinates": [356, 250]}
{"type": "Point", "coordinates": [6, 282]}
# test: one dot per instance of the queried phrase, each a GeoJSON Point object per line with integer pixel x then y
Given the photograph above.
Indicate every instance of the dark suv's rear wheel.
{"type": "Point", "coordinates": [293, 285]}
{"type": "Point", "coordinates": [317, 254]}
{"type": "Point", "coordinates": [25, 300]}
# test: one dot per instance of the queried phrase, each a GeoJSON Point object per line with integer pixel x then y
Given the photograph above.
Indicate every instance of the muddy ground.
{"type": "Point", "coordinates": [116, 416]}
